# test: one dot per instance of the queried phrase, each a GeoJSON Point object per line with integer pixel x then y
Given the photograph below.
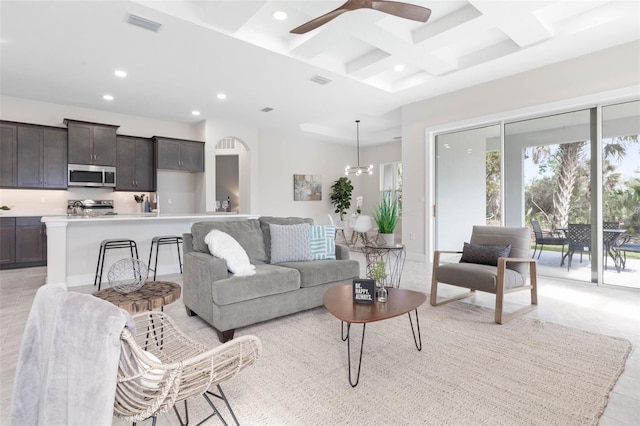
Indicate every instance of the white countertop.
{"type": "Point", "coordinates": [142, 217]}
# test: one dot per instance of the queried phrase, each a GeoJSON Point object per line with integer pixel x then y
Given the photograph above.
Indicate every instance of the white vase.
{"type": "Point", "coordinates": [389, 239]}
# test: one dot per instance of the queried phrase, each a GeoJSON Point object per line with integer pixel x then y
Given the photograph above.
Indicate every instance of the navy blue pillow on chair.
{"type": "Point", "coordinates": [484, 255]}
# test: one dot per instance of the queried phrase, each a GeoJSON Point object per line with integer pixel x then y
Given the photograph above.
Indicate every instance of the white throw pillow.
{"type": "Point", "coordinates": [224, 246]}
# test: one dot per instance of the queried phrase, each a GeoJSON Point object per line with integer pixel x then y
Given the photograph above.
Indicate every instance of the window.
{"type": "Point", "coordinates": [391, 181]}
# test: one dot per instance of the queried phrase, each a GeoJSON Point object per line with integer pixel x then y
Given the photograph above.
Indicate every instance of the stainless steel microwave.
{"type": "Point", "coordinates": [93, 176]}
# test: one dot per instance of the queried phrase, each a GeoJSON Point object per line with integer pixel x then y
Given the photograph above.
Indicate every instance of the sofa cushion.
{"type": "Point", "coordinates": [223, 245]}
{"type": "Point", "coordinates": [290, 243]}
{"type": "Point", "coordinates": [265, 221]}
{"type": "Point", "coordinates": [268, 280]}
{"type": "Point", "coordinates": [247, 232]}
{"type": "Point", "coordinates": [484, 254]}
{"type": "Point", "coordinates": [318, 272]}
{"type": "Point", "coordinates": [323, 242]}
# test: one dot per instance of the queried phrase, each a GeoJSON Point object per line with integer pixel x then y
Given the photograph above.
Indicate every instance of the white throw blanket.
{"type": "Point", "coordinates": [68, 364]}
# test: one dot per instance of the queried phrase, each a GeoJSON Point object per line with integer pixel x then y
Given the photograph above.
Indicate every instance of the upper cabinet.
{"type": "Point", "coordinates": [33, 156]}
{"type": "Point", "coordinates": [8, 155]}
{"type": "Point", "coordinates": [91, 143]}
{"type": "Point", "coordinates": [42, 157]}
{"type": "Point", "coordinates": [135, 164]}
{"type": "Point", "coordinates": [179, 154]}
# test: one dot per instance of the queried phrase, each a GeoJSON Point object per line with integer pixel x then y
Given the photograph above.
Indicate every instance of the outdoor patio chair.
{"type": "Point", "coordinates": [496, 260]}
{"type": "Point", "coordinates": [628, 243]}
{"type": "Point", "coordinates": [165, 366]}
{"type": "Point", "coordinates": [579, 236]}
{"type": "Point", "coordinates": [546, 238]}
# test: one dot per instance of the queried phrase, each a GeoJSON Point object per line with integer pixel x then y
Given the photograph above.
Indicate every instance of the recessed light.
{"type": "Point", "coordinates": [107, 97]}
{"type": "Point", "coordinates": [280, 15]}
{"type": "Point", "coordinates": [398, 68]}
{"type": "Point", "coordinates": [120, 73]}
{"type": "Point", "coordinates": [221, 96]}
{"type": "Point", "coordinates": [195, 112]}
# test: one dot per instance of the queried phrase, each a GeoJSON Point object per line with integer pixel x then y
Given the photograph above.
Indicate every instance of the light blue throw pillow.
{"type": "Point", "coordinates": [323, 242]}
{"type": "Point", "coordinates": [290, 243]}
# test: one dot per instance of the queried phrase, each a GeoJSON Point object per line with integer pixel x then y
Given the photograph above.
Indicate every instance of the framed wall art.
{"type": "Point", "coordinates": [307, 187]}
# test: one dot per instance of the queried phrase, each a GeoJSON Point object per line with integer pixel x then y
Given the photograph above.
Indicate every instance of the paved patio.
{"type": "Point", "coordinates": [549, 266]}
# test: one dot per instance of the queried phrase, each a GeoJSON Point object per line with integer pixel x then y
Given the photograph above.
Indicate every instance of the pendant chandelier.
{"type": "Point", "coordinates": [358, 170]}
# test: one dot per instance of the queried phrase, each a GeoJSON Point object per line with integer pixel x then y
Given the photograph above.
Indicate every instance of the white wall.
{"type": "Point", "coordinates": [560, 86]}
{"type": "Point", "coordinates": [282, 156]}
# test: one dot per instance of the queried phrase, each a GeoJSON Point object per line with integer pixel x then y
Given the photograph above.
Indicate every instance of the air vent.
{"type": "Point", "coordinates": [145, 23]}
{"type": "Point", "coordinates": [226, 143]}
{"type": "Point", "coordinates": [267, 109]}
{"type": "Point", "coordinates": [320, 79]}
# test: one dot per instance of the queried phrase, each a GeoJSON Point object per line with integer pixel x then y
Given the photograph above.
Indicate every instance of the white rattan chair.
{"type": "Point", "coordinates": [161, 366]}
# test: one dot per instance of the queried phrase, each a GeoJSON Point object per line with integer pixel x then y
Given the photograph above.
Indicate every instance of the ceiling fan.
{"type": "Point", "coordinates": [403, 10]}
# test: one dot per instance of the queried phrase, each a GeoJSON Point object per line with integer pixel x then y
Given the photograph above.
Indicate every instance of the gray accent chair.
{"type": "Point", "coordinates": [508, 276]}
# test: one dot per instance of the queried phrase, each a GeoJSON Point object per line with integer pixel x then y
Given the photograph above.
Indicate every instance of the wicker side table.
{"type": "Point", "coordinates": [152, 295]}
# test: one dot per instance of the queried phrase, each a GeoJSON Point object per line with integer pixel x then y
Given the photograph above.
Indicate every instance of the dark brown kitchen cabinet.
{"type": "Point", "coordinates": [7, 240]}
{"type": "Point", "coordinates": [31, 240]}
{"type": "Point", "coordinates": [8, 155]}
{"type": "Point", "coordinates": [23, 242]}
{"type": "Point", "coordinates": [179, 154]}
{"type": "Point", "coordinates": [91, 143]}
{"type": "Point", "coordinates": [42, 157]}
{"type": "Point", "coordinates": [135, 164]}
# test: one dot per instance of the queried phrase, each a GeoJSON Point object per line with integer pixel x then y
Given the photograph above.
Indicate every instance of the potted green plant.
{"type": "Point", "coordinates": [386, 216]}
{"type": "Point", "coordinates": [378, 273]}
{"type": "Point", "coordinates": [341, 196]}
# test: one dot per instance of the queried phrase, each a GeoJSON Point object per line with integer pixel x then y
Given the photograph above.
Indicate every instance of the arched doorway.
{"type": "Point", "coordinates": [232, 175]}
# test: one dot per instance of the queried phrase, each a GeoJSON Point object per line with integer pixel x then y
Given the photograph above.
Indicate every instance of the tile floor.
{"type": "Point", "coordinates": [607, 310]}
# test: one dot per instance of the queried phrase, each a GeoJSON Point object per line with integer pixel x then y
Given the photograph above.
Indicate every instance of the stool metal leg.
{"type": "Point", "coordinates": [149, 262]}
{"type": "Point", "coordinates": [178, 248]}
{"type": "Point", "coordinates": [155, 267]}
{"type": "Point", "coordinates": [95, 280]}
{"type": "Point", "coordinates": [104, 254]}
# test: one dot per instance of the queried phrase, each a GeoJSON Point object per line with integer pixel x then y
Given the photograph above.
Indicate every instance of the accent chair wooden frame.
{"type": "Point", "coordinates": [510, 274]}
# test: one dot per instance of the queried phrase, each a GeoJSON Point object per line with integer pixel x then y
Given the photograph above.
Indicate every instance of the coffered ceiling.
{"type": "Point", "coordinates": [66, 52]}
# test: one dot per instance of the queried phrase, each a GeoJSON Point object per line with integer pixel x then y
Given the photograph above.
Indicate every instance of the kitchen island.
{"type": "Point", "coordinates": [73, 242]}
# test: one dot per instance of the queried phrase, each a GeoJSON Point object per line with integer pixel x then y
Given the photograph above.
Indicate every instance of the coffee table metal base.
{"type": "Point", "coordinates": [417, 340]}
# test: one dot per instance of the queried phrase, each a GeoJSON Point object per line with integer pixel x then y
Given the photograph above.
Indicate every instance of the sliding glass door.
{"type": "Point", "coordinates": [547, 164]}
{"type": "Point", "coordinates": [621, 193]}
{"type": "Point", "coordinates": [467, 184]}
{"type": "Point", "coordinates": [576, 174]}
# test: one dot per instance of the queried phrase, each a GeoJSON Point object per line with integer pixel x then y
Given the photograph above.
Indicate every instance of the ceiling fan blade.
{"type": "Point", "coordinates": [321, 20]}
{"type": "Point", "coordinates": [403, 10]}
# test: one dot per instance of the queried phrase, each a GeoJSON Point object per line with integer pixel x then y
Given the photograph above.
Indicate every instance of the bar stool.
{"type": "Point", "coordinates": [109, 244]}
{"type": "Point", "coordinates": [161, 241]}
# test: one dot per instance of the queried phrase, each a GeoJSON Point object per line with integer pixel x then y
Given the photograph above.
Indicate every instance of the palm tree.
{"type": "Point", "coordinates": [569, 157]}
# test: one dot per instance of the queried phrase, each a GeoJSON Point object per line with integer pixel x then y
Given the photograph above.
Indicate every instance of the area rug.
{"type": "Point", "coordinates": [471, 371]}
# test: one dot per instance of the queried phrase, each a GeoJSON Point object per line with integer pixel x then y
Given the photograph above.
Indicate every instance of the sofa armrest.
{"type": "Point", "coordinates": [187, 243]}
{"type": "Point", "coordinates": [342, 252]}
{"type": "Point", "coordinates": [200, 271]}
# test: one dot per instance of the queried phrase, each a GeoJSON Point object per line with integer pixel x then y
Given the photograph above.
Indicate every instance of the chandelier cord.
{"type": "Point", "coordinates": [358, 139]}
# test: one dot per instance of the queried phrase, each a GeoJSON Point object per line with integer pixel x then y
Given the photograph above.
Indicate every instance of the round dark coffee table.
{"type": "Point", "coordinates": [339, 301]}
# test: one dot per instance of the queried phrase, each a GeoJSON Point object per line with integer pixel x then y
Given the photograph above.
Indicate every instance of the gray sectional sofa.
{"type": "Point", "coordinates": [227, 302]}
